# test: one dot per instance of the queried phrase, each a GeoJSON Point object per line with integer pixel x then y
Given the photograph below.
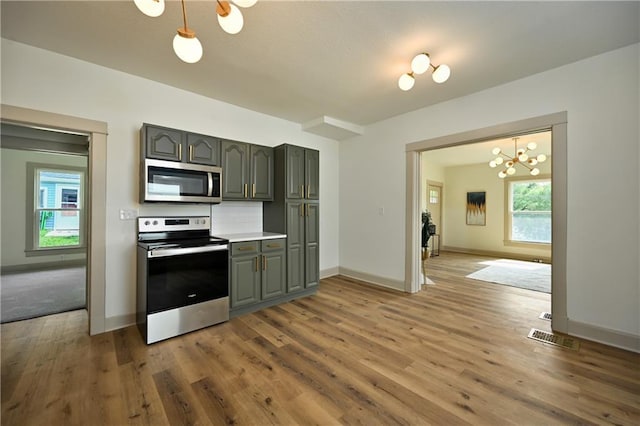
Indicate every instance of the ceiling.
{"type": "Point", "coordinates": [331, 66]}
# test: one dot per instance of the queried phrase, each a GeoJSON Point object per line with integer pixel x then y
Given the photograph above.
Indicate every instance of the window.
{"type": "Point", "coordinates": [433, 196]}
{"type": "Point", "coordinates": [529, 216]}
{"type": "Point", "coordinates": [58, 212]}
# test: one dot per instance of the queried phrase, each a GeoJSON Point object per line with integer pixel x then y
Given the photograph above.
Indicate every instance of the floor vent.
{"type": "Point", "coordinates": [554, 339]}
{"type": "Point", "coordinates": [545, 316]}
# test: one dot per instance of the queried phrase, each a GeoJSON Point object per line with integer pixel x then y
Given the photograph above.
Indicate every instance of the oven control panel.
{"type": "Point", "coordinates": [167, 224]}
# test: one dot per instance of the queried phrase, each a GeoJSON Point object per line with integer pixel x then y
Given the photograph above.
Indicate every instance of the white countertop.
{"type": "Point", "coordinates": [251, 236]}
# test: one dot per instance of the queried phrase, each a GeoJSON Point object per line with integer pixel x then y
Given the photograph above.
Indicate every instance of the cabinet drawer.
{"type": "Point", "coordinates": [244, 248]}
{"type": "Point", "coordinates": [274, 245]}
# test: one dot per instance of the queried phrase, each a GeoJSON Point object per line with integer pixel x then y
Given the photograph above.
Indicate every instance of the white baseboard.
{"type": "Point", "coordinates": [373, 279]}
{"type": "Point", "coordinates": [618, 339]}
{"type": "Point", "coordinates": [120, 321]}
{"type": "Point", "coordinates": [326, 273]}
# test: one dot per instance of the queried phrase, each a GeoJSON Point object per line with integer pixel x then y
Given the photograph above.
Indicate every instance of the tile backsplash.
{"type": "Point", "coordinates": [232, 217]}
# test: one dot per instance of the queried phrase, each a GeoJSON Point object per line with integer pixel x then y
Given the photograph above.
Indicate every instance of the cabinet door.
{"type": "Point", "coordinates": [245, 281]}
{"type": "Point", "coordinates": [312, 174]}
{"type": "Point", "coordinates": [274, 270]}
{"type": "Point", "coordinates": [261, 173]}
{"type": "Point", "coordinates": [295, 246]}
{"type": "Point", "coordinates": [312, 247]}
{"type": "Point", "coordinates": [163, 143]}
{"type": "Point", "coordinates": [235, 185]}
{"type": "Point", "coordinates": [295, 172]}
{"type": "Point", "coordinates": [203, 149]}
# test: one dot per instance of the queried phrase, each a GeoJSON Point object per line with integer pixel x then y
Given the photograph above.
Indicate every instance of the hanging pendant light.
{"type": "Point", "coordinates": [153, 8]}
{"type": "Point", "coordinates": [406, 81]}
{"type": "Point", "coordinates": [441, 73]}
{"type": "Point", "coordinates": [520, 157]}
{"type": "Point", "coordinates": [421, 64]}
{"type": "Point", "coordinates": [185, 44]}
{"type": "Point", "coordinates": [229, 17]}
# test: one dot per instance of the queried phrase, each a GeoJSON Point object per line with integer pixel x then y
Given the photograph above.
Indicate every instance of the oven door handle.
{"type": "Point", "coordinates": [186, 250]}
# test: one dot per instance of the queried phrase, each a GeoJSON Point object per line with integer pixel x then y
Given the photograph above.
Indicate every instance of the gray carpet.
{"type": "Point", "coordinates": [516, 273]}
{"type": "Point", "coordinates": [26, 295]}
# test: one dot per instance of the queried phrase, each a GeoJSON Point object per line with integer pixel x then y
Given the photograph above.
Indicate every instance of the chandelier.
{"type": "Point", "coordinates": [185, 44]}
{"type": "Point", "coordinates": [419, 65]}
{"type": "Point", "coordinates": [523, 156]}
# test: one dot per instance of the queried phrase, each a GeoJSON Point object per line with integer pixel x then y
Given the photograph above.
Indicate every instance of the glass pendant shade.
{"type": "Point", "coordinates": [232, 21]}
{"type": "Point", "coordinates": [187, 48]}
{"type": "Point", "coordinates": [531, 146]}
{"type": "Point", "coordinates": [511, 171]}
{"type": "Point", "coordinates": [406, 82]}
{"type": "Point", "coordinates": [535, 172]}
{"type": "Point", "coordinates": [502, 174]}
{"type": "Point", "coordinates": [492, 164]}
{"type": "Point", "coordinates": [541, 158]}
{"type": "Point", "coordinates": [496, 151]}
{"type": "Point", "coordinates": [532, 161]}
{"type": "Point", "coordinates": [441, 73]}
{"type": "Point", "coordinates": [153, 8]}
{"type": "Point", "coordinates": [420, 64]}
{"type": "Point", "coordinates": [245, 3]}
{"type": "Point", "coordinates": [499, 160]}
{"type": "Point", "coordinates": [523, 157]}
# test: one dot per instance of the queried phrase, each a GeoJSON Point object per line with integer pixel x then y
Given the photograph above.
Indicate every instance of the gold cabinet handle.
{"type": "Point", "coordinates": [246, 248]}
{"type": "Point", "coordinates": [302, 190]}
{"type": "Point", "coordinates": [245, 190]}
{"type": "Point", "coordinates": [264, 263]}
{"type": "Point", "coordinates": [180, 152]}
{"type": "Point", "coordinates": [190, 152]}
{"type": "Point", "coordinates": [301, 209]}
{"type": "Point", "coordinates": [253, 191]}
{"type": "Point", "coordinates": [273, 245]}
{"type": "Point", "coordinates": [256, 264]}
{"type": "Point", "coordinates": [308, 191]}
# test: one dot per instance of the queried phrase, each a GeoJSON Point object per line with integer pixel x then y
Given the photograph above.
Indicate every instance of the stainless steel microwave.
{"type": "Point", "coordinates": [175, 182]}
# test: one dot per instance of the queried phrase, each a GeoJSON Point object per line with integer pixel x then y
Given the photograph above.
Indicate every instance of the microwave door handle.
{"type": "Point", "coordinates": [210, 178]}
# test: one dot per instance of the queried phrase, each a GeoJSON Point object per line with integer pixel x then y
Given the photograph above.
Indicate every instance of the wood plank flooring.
{"type": "Point", "coordinates": [455, 353]}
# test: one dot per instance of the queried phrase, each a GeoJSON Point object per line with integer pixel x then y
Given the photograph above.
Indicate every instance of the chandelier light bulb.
{"type": "Point", "coordinates": [420, 64]}
{"type": "Point", "coordinates": [245, 3]}
{"type": "Point", "coordinates": [502, 174]}
{"type": "Point", "coordinates": [531, 146]}
{"type": "Point", "coordinates": [152, 8]}
{"type": "Point", "coordinates": [509, 164]}
{"type": "Point", "coordinates": [511, 171]}
{"type": "Point", "coordinates": [441, 73]}
{"type": "Point", "coordinates": [187, 46]}
{"type": "Point", "coordinates": [499, 160]}
{"type": "Point", "coordinates": [493, 164]}
{"type": "Point", "coordinates": [532, 161]}
{"type": "Point", "coordinates": [496, 151]}
{"type": "Point", "coordinates": [541, 158]}
{"type": "Point", "coordinates": [535, 172]}
{"type": "Point", "coordinates": [523, 157]}
{"type": "Point", "coordinates": [229, 17]}
{"type": "Point", "coordinates": [406, 81]}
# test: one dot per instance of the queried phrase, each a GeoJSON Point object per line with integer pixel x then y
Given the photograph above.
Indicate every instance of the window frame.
{"type": "Point", "coordinates": [33, 210]}
{"type": "Point", "coordinates": [508, 218]}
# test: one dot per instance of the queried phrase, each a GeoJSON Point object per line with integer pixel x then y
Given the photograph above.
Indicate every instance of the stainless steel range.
{"type": "Point", "coordinates": [183, 277]}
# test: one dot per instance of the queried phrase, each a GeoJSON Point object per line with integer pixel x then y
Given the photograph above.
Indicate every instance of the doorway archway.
{"type": "Point", "coordinates": [557, 124]}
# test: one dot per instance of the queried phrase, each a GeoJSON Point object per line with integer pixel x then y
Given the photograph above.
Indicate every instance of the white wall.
{"type": "Point", "coordinates": [603, 198]}
{"type": "Point", "coordinates": [42, 80]}
{"type": "Point", "coordinates": [13, 175]}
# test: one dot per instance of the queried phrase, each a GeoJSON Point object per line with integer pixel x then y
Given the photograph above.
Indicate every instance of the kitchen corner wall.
{"type": "Point", "coordinates": [41, 80]}
{"type": "Point", "coordinates": [236, 217]}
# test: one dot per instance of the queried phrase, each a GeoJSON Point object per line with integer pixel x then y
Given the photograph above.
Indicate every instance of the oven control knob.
{"type": "Point", "coordinates": [155, 222]}
{"type": "Point", "coordinates": [146, 222]}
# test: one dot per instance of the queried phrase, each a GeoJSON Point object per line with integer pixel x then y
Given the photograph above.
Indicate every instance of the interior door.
{"type": "Point", "coordinates": [434, 204]}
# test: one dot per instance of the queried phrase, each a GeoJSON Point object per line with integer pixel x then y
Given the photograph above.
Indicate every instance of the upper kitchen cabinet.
{"type": "Point", "coordinates": [163, 143]}
{"type": "Point", "coordinates": [302, 173]}
{"type": "Point", "coordinates": [247, 171]}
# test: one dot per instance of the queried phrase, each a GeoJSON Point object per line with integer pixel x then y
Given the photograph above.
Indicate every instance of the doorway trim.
{"type": "Point", "coordinates": [96, 220]}
{"type": "Point", "coordinates": [557, 123]}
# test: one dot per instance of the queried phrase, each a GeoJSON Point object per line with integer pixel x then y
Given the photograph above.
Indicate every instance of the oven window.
{"type": "Point", "coordinates": [177, 281]}
{"type": "Point", "coordinates": [164, 181]}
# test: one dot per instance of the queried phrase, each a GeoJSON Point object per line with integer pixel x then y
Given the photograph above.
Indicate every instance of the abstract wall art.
{"type": "Point", "coordinates": [476, 208]}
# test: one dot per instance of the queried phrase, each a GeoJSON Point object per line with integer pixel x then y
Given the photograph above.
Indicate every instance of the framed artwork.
{"type": "Point", "coordinates": [476, 208]}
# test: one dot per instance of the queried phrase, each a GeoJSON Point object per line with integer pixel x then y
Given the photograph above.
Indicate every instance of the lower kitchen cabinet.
{"type": "Point", "coordinates": [258, 272]}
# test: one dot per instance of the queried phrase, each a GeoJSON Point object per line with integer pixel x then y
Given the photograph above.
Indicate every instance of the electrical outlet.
{"type": "Point", "coordinates": [128, 214]}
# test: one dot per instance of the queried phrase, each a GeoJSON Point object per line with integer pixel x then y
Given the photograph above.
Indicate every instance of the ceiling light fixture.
{"type": "Point", "coordinates": [522, 156]}
{"type": "Point", "coordinates": [185, 43]}
{"type": "Point", "coordinates": [419, 65]}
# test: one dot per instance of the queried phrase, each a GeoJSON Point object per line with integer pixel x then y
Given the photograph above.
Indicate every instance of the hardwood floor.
{"type": "Point", "coordinates": [455, 353]}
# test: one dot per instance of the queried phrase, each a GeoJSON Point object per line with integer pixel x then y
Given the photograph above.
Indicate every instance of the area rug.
{"type": "Point", "coordinates": [27, 295]}
{"type": "Point", "coordinates": [516, 273]}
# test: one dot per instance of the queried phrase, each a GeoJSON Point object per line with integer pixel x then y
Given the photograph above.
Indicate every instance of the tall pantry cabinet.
{"type": "Point", "coordinates": [295, 212]}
